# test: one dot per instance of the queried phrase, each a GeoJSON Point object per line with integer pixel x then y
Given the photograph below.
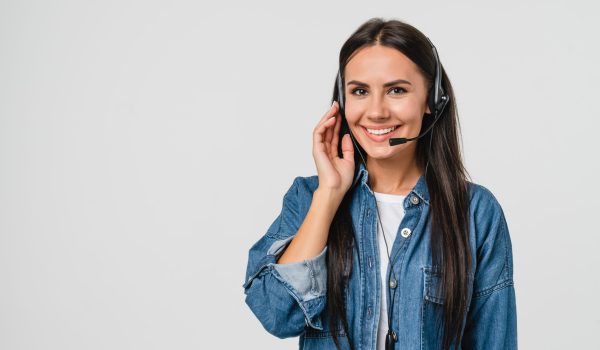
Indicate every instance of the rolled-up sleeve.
{"type": "Point", "coordinates": [285, 297]}
{"type": "Point", "coordinates": [492, 316]}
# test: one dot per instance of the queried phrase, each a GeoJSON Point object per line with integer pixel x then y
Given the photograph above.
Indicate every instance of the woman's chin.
{"type": "Point", "coordinates": [381, 152]}
{"type": "Point", "coordinates": [386, 151]}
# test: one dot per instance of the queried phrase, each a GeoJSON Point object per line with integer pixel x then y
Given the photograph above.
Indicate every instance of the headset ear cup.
{"type": "Point", "coordinates": [340, 92]}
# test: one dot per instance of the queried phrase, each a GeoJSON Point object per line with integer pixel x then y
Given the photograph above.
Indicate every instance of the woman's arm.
{"type": "Point", "coordinates": [492, 317]}
{"type": "Point", "coordinates": [291, 294]}
{"type": "Point", "coordinates": [311, 238]}
{"type": "Point", "coordinates": [286, 297]}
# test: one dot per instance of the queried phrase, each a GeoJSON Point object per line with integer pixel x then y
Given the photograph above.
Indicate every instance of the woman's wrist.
{"type": "Point", "coordinates": [328, 197]}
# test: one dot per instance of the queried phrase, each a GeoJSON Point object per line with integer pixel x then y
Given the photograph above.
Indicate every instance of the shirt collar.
{"type": "Point", "coordinates": [361, 174]}
{"type": "Point", "coordinates": [420, 188]}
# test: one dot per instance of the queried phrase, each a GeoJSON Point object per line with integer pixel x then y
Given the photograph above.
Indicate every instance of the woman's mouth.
{"type": "Point", "coordinates": [380, 134]}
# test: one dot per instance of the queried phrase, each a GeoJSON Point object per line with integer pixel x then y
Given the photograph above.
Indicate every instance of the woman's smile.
{"type": "Point", "coordinates": [380, 134]}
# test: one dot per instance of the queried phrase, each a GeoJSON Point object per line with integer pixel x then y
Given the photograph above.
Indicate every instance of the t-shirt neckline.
{"type": "Point", "coordinates": [389, 198]}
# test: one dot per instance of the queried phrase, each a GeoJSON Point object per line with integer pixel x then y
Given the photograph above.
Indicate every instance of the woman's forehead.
{"type": "Point", "coordinates": [379, 62]}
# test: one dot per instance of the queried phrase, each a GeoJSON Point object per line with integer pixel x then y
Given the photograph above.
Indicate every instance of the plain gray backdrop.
{"type": "Point", "coordinates": [146, 145]}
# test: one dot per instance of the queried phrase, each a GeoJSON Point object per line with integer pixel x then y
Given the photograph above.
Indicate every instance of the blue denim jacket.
{"type": "Point", "coordinates": [289, 299]}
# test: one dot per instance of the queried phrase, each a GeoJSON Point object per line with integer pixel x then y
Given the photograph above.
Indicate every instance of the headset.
{"type": "Point", "coordinates": [437, 100]}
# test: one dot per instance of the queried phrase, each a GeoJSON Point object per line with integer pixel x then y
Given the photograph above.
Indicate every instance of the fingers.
{"type": "Point", "coordinates": [324, 122]}
{"type": "Point", "coordinates": [330, 113]}
{"type": "Point", "coordinates": [320, 129]}
{"type": "Point", "coordinates": [347, 149]}
{"type": "Point", "coordinates": [329, 132]}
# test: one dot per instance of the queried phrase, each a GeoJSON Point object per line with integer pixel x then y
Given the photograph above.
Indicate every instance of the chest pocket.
{"type": "Point", "coordinates": [432, 286]}
{"type": "Point", "coordinates": [432, 308]}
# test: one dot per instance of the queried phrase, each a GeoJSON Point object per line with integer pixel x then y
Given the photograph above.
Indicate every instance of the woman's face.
{"type": "Point", "coordinates": [374, 102]}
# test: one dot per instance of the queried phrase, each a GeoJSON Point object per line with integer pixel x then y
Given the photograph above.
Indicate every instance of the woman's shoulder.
{"type": "Point", "coordinates": [301, 190]}
{"type": "Point", "coordinates": [482, 198]}
{"type": "Point", "coordinates": [306, 184]}
{"type": "Point", "coordinates": [486, 213]}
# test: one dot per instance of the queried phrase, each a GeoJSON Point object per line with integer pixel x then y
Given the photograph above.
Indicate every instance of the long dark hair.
{"type": "Point", "coordinates": [446, 180]}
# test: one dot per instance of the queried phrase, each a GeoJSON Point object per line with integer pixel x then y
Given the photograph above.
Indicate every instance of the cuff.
{"type": "Point", "coordinates": [308, 277]}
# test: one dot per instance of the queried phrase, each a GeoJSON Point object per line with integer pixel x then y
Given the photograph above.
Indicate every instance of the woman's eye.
{"type": "Point", "coordinates": [398, 88]}
{"type": "Point", "coordinates": [361, 92]}
{"type": "Point", "coordinates": [358, 89]}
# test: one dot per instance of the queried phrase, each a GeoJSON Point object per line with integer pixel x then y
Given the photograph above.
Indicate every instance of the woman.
{"type": "Point", "coordinates": [332, 269]}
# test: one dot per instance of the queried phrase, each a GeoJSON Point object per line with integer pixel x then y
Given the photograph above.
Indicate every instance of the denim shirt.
{"type": "Point", "coordinates": [289, 299]}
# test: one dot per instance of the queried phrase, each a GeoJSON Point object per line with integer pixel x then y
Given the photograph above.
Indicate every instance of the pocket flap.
{"type": "Point", "coordinates": [433, 285]}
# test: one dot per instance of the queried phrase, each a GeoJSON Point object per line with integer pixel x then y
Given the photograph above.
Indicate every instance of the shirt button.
{"type": "Point", "coordinates": [414, 199]}
{"type": "Point", "coordinates": [369, 312]}
{"type": "Point", "coordinates": [405, 232]}
{"type": "Point", "coordinates": [370, 262]}
{"type": "Point", "coordinates": [393, 283]}
{"type": "Point", "coordinates": [368, 212]}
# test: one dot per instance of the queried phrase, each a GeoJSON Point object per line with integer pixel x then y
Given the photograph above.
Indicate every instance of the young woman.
{"type": "Point", "coordinates": [389, 246]}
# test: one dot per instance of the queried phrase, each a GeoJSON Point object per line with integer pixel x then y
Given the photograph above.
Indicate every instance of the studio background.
{"type": "Point", "coordinates": [146, 145]}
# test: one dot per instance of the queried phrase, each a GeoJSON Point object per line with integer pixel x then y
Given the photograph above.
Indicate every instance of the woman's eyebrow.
{"type": "Point", "coordinates": [394, 82]}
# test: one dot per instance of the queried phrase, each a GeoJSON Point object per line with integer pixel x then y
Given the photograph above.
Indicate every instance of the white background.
{"type": "Point", "coordinates": [145, 146]}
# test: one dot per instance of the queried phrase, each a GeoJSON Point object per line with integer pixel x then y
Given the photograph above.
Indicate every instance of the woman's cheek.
{"type": "Point", "coordinates": [352, 115]}
{"type": "Point", "coordinates": [406, 111]}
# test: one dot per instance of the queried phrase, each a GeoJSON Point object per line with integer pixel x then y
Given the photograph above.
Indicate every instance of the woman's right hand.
{"type": "Point", "coordinates": [335, 173]}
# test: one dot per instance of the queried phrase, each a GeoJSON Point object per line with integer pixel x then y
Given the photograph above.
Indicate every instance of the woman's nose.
{"type": "Point", "coordinates": [377, 109]}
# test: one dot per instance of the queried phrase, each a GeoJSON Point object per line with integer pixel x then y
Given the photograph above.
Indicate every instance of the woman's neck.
{"type": "Point", "coordinates": [393, 176]}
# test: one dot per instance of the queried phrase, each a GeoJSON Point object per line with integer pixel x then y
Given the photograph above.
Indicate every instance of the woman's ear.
{"type": "Point", "coordinates": [427, 102]}
{"type": "Point", "coordinates": [427, 110]}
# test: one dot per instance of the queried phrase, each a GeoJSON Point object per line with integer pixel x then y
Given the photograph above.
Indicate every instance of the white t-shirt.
{"type": "Point", "coordinates": [391, 212]}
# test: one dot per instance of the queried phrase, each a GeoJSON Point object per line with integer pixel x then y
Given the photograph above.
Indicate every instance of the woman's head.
{"type": "Point", "coordinates": [380, 52]}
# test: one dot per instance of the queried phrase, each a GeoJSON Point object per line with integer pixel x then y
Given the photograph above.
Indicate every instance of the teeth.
{"type": "Point", "coordinates": [380, 131]}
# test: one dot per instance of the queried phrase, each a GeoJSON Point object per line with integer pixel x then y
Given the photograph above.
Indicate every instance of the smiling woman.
{"type": "Point", "coordinates": [332, 269]}
{"type": "Point", "coordinates": [378, 109]}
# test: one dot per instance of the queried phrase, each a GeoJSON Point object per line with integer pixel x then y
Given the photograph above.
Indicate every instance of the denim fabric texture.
{"type": "Point", "coordinates": [289, 299]}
